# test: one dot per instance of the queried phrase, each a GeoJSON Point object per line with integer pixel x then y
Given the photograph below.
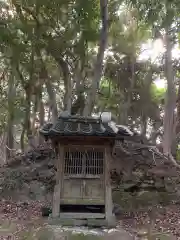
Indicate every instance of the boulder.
{"type": "Point", "coordinates": [37, 190]}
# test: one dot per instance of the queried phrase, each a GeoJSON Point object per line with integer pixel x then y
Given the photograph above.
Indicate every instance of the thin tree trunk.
{"type": "Point", "coordinates": [41, 111]}
{"type": "Point", "coordinates": [178, 111]}
{"type": "Point", "coordinates": [126, 105]}
{"type": "Point", "coordinates": [146, 94]}
{"type": "Point", "coordinates": [91, 98]}
{"type": "Point", "coordinates": [28, 114]}
{"type": "Point", "coordinates": [67, 85]}
{"type": "Point", "coordinates": [170, 98]}
{"type": "Point", "coordinates": [3, 149]}
{"type": "Point", "coordinates": [34, 114]}
{"type": "Point", "coordinates": [144, 125]}
{"type": "Point", "coordinates": [22, 137]}
{"type": "Point", "coordinates": [49, 114]}
{"type": "Point", "coordinates": [52, 100]}
{"type": "Point", "coordinates": [176, 125]}
{"type": "Point", "coordinates": [11, 96]}
{"type": "Point", "coordinates": [41, 116]}
{"type": "Point", "coordinates": [155, 132]}
{"type": "Point", "coordinates": [66, 76]}
{"type": "Point", "coordinates": [50, 89]}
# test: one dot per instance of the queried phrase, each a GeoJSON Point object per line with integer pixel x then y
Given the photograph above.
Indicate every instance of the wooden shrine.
{"type": "Point", "coordinates": [83, 185]}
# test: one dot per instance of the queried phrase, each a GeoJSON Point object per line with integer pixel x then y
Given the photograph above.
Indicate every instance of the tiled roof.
{"type": "Point", "coordinates": [67, 125]}
{"type": "Point", "coordinates": [77, 126]}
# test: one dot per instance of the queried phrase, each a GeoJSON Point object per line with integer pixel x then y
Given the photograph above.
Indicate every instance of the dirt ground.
{"type": "Point", "coordinates": [20, 220]}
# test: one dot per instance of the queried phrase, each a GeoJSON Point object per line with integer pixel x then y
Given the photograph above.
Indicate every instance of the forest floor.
{"type": "Point", "coordinates": [29, 180]}
{"type": "Point", "coordinates": [165, 222]}
{"type": "Point", "coordinates": [22, 220]}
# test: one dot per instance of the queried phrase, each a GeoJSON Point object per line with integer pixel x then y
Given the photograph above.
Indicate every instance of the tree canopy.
{"type": "Point", "coordinates": [84, 57]}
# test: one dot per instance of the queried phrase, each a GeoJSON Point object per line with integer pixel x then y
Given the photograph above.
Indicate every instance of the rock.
{"type": "Point", "coordinates": [118, 234]}
{"type": "Point", "coordinates": [117, 210]}
{"type": "Point", "coordinates": [46, 174]}
{"type": "Point", "coordinates": [142, 234]}
{"type": "Point", "coordinates": [45, 233]}
{"type": "Point", "coordinates": [50, 164]}
{"type": "Point", "coordinates": [37, 190]}
{"type": "Point", "coordinates": [89, 234]}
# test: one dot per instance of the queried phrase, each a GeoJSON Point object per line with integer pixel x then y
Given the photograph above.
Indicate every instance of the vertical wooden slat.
{"type": "Point", "coordinates": [76, 163]}
{"type": "Point", "coordinates": [88, 161]}
{"type": "Point", "coordinates": [73, 162]}
{"type": "Point", "coordinates": [79, 163]}
{"type": "Point", "coordinates": [57, 189]}
{"type": "Point", "coordinates": [70, 161]}
{"type": "Point", "coordinates": [66, 161]}
{"type": "Point", "coordinates": [94, 160]}
{"type": "Point", "coordinates": [97, 163]}
{"type": "Point", "coordinates": [108, 190]}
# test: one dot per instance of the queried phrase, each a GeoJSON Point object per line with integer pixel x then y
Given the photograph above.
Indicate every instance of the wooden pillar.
{"type": "Point", "coordinates": [57, 189]}
{"type": "Point", "coordinates": [108, 189]}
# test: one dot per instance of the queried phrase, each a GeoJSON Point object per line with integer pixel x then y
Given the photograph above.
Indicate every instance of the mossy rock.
{"type": "Point", "coordinates": [84, 237]}
{"type": "Point", "coordinates": [162, 236]}
{"type": "Point", "coordinates": [167, 198]}
{"type": "Point", "coordinates": [130, 202]}
{"type": "Point", "coordinates": [123, 199]}
{"type": "Point", "coordinates": [45, 233]}
{"type": "Point", "coordinates": [143, 199]}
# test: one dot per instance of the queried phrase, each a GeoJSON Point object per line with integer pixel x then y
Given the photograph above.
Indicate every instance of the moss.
{"type": "Point", "coordinates": [143, 199]}
{"type": "Point", "coordinates": [45, 234]}
{"type": "Point", "coordinates": [124, 199]}
{"type": "Point", "coordinates": [84, 237]}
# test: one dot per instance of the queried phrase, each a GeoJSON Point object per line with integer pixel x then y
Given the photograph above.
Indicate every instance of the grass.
{"type": "Point", "coordinates": [40, 232]}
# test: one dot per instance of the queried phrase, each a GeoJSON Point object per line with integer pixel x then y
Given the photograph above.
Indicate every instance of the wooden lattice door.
{"type": "Point", "coordinates": [84, 174]}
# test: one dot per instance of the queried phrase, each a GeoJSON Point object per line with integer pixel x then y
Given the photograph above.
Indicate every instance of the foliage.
{"type": "Point", "coordinates": [157, 94]}
{"type": "Point", "coordinates": [49, 49]}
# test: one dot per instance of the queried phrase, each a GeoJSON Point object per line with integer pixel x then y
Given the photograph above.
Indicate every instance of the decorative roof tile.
{"type": "Point", "coordinates": [81, 126]}
{"type": "Point", "coordinates": [77, 126]}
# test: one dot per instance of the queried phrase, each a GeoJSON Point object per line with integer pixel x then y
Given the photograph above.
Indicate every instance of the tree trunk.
{"type": "Point", "coordinates": [28, 114]}
{"type": "Point", "coordinates": [146, 94]}
{"type": "Point", "coordinates": [11, 96]}
{"type": "Point", "coordinates": [3, 149]}
{"type": "Point", "coordinates": [78, 105]}
{"type": "Point", "coordinates": [22, 137]}
{"type": "Point", "coordinates": [178, 111]}
{"type": "Point", "coordinates": [144, 125]}
{"type": "Point", "coordinates": [177, 126]}
{"type": "Point", "coordinates": [170, 98]}
{"type": "Point", "coordinates": [66, 77]}
{"type": "Point", "coordinates": [49, 86]}
{"type": "Point", "coordinates": [52, 100]}
{"type": "Point", "coordinates": [49, 114]}
{"type": "Point", "coordinates": [41, 116]}
{"type": "Point", "coordinates": [67, 84]}
{"type": "Point", "coordinates": [155, 132]}
{"type": "Point", "coordinates": [126, 105]}
{"type": "Point", "coordinates": [34, 114]}
{"type": "Point", "coordinates": [41, 111]}
{"type": "Point", "coordinates": [91, 98]}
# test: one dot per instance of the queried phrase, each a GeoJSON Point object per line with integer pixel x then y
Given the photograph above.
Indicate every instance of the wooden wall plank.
{"type": "Point", "coordinates": [108, 188]}
{"type": "Point", "coordinates": [59, 177]}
